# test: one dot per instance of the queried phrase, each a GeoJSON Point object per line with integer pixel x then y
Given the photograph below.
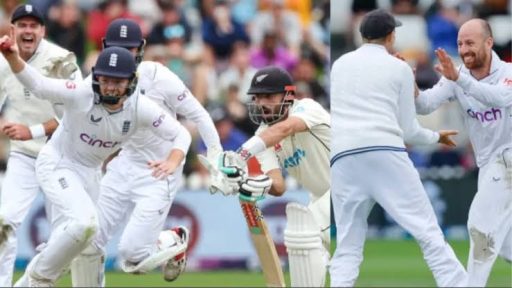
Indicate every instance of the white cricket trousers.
{"type": "Point", "coordinates": [490, 218]}
{"type": "Point", "coordinates": [19, 190]}
{"type": "Point", "coordinates": [388, 178]}
{"type": "Point", "coordinates": [71, 189]}
{"type": "Point", "coordinates": [129, 187]}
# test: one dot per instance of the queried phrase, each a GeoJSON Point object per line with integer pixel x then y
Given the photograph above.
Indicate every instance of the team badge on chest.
{"type": "Point", "coordinates": [126, 127]}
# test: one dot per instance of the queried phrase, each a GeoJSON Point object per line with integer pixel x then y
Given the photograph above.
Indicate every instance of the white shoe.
{"type": "Point", "coordinates": [176, 265]}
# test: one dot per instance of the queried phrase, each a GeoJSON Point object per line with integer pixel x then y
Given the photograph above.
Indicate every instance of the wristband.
{"type": "Point", "coordinates": [37, 131]}
{"type": "Point", "coordinates": [252, 147]}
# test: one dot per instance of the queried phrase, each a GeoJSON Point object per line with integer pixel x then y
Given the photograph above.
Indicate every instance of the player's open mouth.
{"type": "Point", "coordinates": [468, 57]}
{"type": "Point", "coordinates": [28, 39]}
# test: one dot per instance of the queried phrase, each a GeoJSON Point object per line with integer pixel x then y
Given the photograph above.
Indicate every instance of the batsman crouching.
{"type": "Point", "coordinates": [293, 135]}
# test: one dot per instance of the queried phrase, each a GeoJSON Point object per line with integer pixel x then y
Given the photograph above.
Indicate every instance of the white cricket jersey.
{"type": "Point", "coordinates": [486, 106]}
{"type": "Point", "coordinates": [304, 155]}
{"type": "Point", "coordinates": [170, 93]}
{"type": "Point", "coordinates": [19, 105]}
{"type": "Point", "coordinates": [89, 133]}
{"type": "Point", "coordinates": [372, 104]}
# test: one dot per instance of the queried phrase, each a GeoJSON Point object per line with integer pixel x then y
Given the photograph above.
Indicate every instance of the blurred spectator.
{"type": "Point", "coordinates": [107, 11]}
{"type": "Point", "coordinates": [404, 6]}
{"type": "Point", "coordinates": [285, 23]}
{"type": "Point", "coordinates": [237, 110]}
{"type": "Point", "coordinates": [314, 47]}
{"type": "Point", "coordinates": [445, 156]}
{"type": "Point", "coordinates": [205, 85]}
{"type": "Point", "coordinates": [239, 72]}
{"type": "Point", "coordinates": [65, 29]}
{"type": "Point", "coordinates": [272, 53]}
{"type": "Point", "coordinates": [442, 27]}
{"type": "Point", "coordinates": [173, 24]}
{"type": "Point", "coordinates": [426, 76]}
{"type": "Point", "coordinates": [419, 159]}
{"type": "Point", "coordinates": [150, 12]}
{"type": "Point", "coordinates": [157, 53]}
{"type": "Point", "coordinates": [178, 58]}
{"type": "Point", "coordinates": [305, 71]}
{"type": "Point", "coordinates": [6, 9]}
{"type": "Point", "coordinates": [231, 138]}
{"type": "Point", "coordinates": [492, 7]}
{"type": "Point", "coordinates": [221, 31]}
{"type": "Point", "coordinates": [244, 11]}
{"type": "Point", "coordinates": [42, 6]}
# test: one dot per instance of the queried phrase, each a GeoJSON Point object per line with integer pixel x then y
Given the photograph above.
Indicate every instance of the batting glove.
{"type": "Point", "coordinates": [255, 188]}
{"type": "Point", "coordinates": [233, 165]}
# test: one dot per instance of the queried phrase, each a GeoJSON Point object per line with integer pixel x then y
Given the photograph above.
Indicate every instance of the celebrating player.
{"type": "Point", "coordinates": [96, 121]}
{"type": "Point", "coordinates": [293, 135]}
{"type": "Point", "coordinates": [373, 110]}
{"type": "Point", "coordinates": [122, 187]}
{"type": "Point", "coordinates": [483, 88]}
{"type": "Point", "coordinates": [29, 120]}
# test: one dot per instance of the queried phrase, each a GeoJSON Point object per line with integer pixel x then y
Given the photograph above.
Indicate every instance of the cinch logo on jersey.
{"type": "Point", "coordinates": [485, 116]}
{"type": "Point", "coordinates": [97, 142]}
{"type": "Point", "coordinates": [294, 160]}
{"type": "Point", "coordinates": [159, 121]}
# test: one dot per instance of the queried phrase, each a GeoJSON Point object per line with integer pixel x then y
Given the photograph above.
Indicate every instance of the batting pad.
{"type": "Point", "coordinates": [321, 212]}
{"type": "Point", "coordinates": [306, 254]}
{"type": "Point", "coordinates": [87, 269]}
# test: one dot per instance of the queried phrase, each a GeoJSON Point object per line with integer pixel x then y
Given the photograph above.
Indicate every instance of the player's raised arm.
{"type": "Point", "coordinates": [174, 90]}
{"type": "Point", "coordinates": [54, 90]}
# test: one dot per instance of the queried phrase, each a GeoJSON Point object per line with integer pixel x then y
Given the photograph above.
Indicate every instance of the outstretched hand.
{"type": "Point", "coordinates": [162, 169]}
{"type": "Point", "coordinates": [445, 137]}
{"type": "Point", "coordinates": [446, 66]}
{"type": "Point", "coordinates": [17, 131]}
{"type": "Point", "coordinates": [8, 46]}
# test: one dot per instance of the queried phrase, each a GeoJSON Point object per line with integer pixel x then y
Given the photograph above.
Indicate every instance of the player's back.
{"type": "Point", "coordinates": [365, 91]}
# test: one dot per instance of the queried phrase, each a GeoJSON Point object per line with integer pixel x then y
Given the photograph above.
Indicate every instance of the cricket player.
{"type": "Point", "coordinates": [483, 89]}
{"type": "Point", "coordinates": [373, 115]}
{"type": "Point", "coordinates": [97, 119]}
{"type": "Point", "coordinates": [28, 120]}
{"type": "Point", "coordinates": [293, 135]}
{"type": "Point", "coordinates": [128, 186]}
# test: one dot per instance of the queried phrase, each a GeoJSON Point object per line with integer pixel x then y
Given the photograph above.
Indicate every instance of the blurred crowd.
{"type": "Point", "coordinates": [214, 46]}
{"type": "Point", "coordinates": [427, 25]}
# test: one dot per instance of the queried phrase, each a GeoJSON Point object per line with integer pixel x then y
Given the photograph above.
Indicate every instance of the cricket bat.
{"type": "Point", "coordinates": [260, 236]}
{"type": "Point", "coordinates": [264, 245]}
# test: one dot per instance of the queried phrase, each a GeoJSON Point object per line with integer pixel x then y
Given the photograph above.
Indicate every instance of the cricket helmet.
{"type": "Point", "coordinates": [125, 33]}
{"type": "Point", "coordinates": [270, 80]}
{"type": "Point", "coordinates": [114, 62]}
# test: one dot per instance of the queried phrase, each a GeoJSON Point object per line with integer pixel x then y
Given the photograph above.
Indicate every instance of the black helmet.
{"type": "Point", "coordinates": [115, 62]}
{"type": "Point", "coordinates": [125, 33]}
{"type": "Point", "coordinates": [271, 80]}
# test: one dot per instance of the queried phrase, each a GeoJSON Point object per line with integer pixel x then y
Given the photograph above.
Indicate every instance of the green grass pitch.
{"type": "Point", "coordinates": [386, 264]}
